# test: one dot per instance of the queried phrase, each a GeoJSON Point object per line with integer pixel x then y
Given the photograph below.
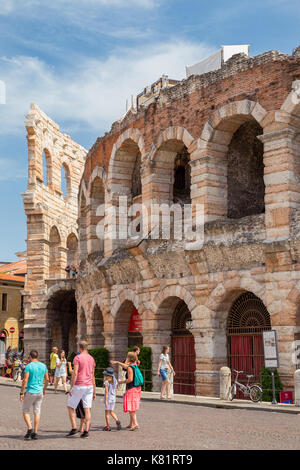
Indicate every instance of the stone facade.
{"type": "Point", "coordinates": [52, 234]}
{"type": "Point", "coordinates": [243, 117]}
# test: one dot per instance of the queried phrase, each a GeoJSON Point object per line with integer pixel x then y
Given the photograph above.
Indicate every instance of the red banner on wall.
{"type": "Point", "coordinates": [135, 322]}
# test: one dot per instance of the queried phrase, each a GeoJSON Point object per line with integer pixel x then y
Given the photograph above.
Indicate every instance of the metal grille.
{"type": "Point", "coordinates": [248, 315]}
{"type": "Point", "coordinates": [181, 316]}
{"type": "Point", "coordinates": [247, 319]}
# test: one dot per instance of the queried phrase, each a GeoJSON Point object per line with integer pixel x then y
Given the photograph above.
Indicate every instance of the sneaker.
{"type": "Point", "coordinates": [28, 435]}
{"type": "Point", "coordinates": [85, 434]}
{"type": "Point", "coordinates": [107, 428]}
{"type": "Point", "coordinates": [34, 436]}
{"type": "Point", "coordinates": [118, 423]}
{"type": "Point", "coordinates": [72, 433]}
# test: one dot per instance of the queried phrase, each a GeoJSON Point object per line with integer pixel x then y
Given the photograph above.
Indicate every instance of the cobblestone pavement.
{"type": "Point", "coordinates": [163, 425]}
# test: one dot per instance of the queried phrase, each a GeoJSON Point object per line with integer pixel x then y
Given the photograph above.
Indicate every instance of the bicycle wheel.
{"type": "Point", "coordinates": [232, 392]}
{"type": "Point", "coordinates": [255, 393]}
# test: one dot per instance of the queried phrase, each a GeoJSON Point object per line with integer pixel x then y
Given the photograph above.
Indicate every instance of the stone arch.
{"type": "Point", "coordinates": [126, 304]}
{"type": "Point", "coordinates": [127, 295]}
{"type": "Point", "coordinates": [46, 167]}
{"type": "Point", "coordinates": [172, 133]}
{"type": "Point", "coordinates": [132, 134]}
{"type": "Point", "coordinates": [61, 316]}
{"type": "Point", "coordinates": [95, 327]}
{"type": "Point", "coordinates": [215, 174]}
{"type": "Point", "coordinates": [166, 150]}
{"type": "Point", "coordinates": [220, 299]}
{"type": "Point", "coordinates": [82, 325]}
{"type": "Point", "coordinates": [291, 104]}
{"type": "Point", "coordinates": [65, 165]}
{"type": "Point", "coordinates": [175, 292]}
{"type": "Point", "coordinates": [124, 179]}
{"type": "Point", "coordinates": [82, 221]}
{"type": "Point", "coordinates": [96, 211]}
{"type": "Point", "coordinates": [99, 172]}
{"type": "Point", "coordinates": [72, 249]}
{"type": "Point", "coordinates": [55, 254]}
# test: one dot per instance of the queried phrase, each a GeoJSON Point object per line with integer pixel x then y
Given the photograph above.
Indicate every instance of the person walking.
{"type": "Point", "coordinates": [110, 387]}
{"type": "Point", "coordinates": [61, 371]}
{"type": "Point", "coordinates": [79, 410]}
{"type": "Point", "coordinates": [53, 357]}
{"type": "Point", "coordinates": [35, 382]}
{"type": "Point", "coordinates": [83, 387]}
{"type": "Point", "coordinates": [132, 396]}
{"type": "Point", "coordinates": [162, 370]}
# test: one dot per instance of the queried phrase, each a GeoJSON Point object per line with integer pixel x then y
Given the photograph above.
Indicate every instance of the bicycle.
{"type": "Point", "coordinates": [253, 391]}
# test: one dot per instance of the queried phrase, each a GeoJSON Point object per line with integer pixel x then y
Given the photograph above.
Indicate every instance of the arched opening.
{"type": "Point", "coordinates": [123, 323]}
{"type": "Point", "coordinates": [55, 268]}
{"type": "Point", "coordinates": [62, 320]}
{"type": "Point", "coordinates": [247, 319]}
{"type": "Point", "coordinates": [245, 173]}
{"type": "Point", "coordinates": [95, 329]}
{"type": "Point", "coordinates": [171, 173]}
{"type": "Point", "coordinates": [96, 216]}
{"type": "Point", "coordinates": [174, 322]}
{"type": "Point", "coordinates": [72, 247]}
{"type": "Point", "coordinates": [182, 178]}
{"type": "Point", "coordinates": [82, 327]}
{"type": "Point", "coordinates": [125, 179]}
{"type": "Point", "coordinates": [46, 167]}
{"type": "Point", "coordinates": [82, 223]}
{"type": "Point", "coordinates": [65, 179]}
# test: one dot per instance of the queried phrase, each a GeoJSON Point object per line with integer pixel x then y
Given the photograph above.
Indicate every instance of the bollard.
{"type": "Point", "coordinates": [225, 382]}
{"type": "Point", "coordinates": [297, 386]}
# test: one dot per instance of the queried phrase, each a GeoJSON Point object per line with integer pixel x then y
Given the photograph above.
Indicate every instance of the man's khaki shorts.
{"type": "Point", "coordinates": [32, 400]}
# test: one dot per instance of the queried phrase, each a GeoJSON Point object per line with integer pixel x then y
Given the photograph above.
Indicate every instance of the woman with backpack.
{"type": "Point", "coordinates": [132, 397]}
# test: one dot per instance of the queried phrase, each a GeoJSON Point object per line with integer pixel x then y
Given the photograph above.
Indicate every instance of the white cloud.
{"type": "Point", "coordinates": [9, 6]}
{"type": "Point", "coordinates": [92, 93]}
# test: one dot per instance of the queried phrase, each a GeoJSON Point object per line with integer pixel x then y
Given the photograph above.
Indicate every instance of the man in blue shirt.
{"type": "Point", "coordinates": [34, 375]}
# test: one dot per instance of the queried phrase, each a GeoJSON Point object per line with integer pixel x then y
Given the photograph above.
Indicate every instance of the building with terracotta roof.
{"type": "Point", "coordinates": [12, 280]}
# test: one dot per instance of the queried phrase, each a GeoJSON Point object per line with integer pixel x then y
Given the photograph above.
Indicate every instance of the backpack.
{"type": "Point", "coordinates": [138, 377]}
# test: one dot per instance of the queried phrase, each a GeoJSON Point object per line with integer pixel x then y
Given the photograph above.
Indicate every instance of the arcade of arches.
{"type": "Point", "coordinates": [228, 142]}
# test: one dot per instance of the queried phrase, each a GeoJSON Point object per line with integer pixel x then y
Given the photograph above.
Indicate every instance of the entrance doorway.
{"type": "Point", "coordinates": [183, 350]}
{"type": "Point", "coordinates": [62, 321]}
{"type": "Point", "coordinates": [247, 319]}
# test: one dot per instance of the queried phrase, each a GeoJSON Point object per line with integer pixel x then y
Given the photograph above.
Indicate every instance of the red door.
{"type": "Point", "coordinates": [184, 363]}
{"type": "Point", "coordinates": [246, 354]}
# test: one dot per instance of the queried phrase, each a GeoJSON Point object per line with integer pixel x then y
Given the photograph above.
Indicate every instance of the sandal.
{"type": "Point", "coordinates": [133, 428]}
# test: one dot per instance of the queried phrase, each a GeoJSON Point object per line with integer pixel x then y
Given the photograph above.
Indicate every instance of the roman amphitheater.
{"type": "Point", "coordinates": [227, 141]}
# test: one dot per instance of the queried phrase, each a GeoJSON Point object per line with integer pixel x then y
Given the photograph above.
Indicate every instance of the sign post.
{"type": "Point", "coordinates": [271, 356]}
{"type": "Point", "coordinates": [12, 330]}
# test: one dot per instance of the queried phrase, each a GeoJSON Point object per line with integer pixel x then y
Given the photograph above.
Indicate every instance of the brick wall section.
{"type": "Point", "coordinates": [266, 79]}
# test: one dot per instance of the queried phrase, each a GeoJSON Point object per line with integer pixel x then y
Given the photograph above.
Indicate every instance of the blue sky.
{"type": "Point", "coordinates": [79, 60]}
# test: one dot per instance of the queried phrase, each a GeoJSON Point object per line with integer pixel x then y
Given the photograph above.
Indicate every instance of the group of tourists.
{"type": "Point", "coordinates": [82, 391]}
{"type": "Point", "coordinates": [71, 271]}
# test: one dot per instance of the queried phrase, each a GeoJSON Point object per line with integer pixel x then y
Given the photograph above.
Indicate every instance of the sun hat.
{"type": "Point", "coordinates": [109, 371]}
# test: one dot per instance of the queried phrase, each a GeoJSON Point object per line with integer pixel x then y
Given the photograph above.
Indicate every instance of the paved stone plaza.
{"type": "Point", "coordinates": [167, 426]}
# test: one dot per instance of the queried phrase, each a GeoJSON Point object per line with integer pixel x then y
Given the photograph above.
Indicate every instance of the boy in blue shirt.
{"type": "Point", "coordinates": [34, 375]}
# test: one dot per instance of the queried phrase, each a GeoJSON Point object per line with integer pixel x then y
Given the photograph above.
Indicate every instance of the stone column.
{"type": "Point", "coordinates": [210, 348]}
{"type": "Point", "coordinates": [209, 184]}
{"type": "Point", "coordinates": [282, 192]}
{"type": "Point", "coordinates": [297, 387]}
